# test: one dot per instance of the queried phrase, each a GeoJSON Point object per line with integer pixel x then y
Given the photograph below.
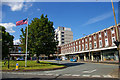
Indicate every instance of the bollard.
{"type": "Point", "coordinates": [16, 66]}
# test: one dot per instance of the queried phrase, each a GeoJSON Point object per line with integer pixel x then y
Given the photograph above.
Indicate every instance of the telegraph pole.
{"type": "Point", "coordinates": [117, 42]}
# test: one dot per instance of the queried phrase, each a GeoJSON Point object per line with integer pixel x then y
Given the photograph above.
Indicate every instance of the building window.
{"type": "Point", "coordinates": [99, 35]}
{"type": "Point", "coordinates": [100, 43]}
{"type": "Point", "coordinates": [94, 36]}
{"type": "Point", "coordinates": [106, 42]}
{"type": "Point", "coordinates": [95, 45]}
{"type": "Point", "coordinates": [90, 38]}
{"type": "Point", "coordinates": [62, 35]}
{"type": "Point", "coordinates": [113, 39]}
{"type": "Point", "coordinates": [112, 30]}
{"type": "Point", "coordinates": [62, 32]}
{"type": "Point", "coordinates": [86, 40]}
{"type": "Point", "coordinates": [82, 47]}
{"type": "Point", "coordinates": [62, 42]}
{"type": "Point", "coordinates": [79, 48]}
{"type": "Point", "coordinates": [86, 47]}
{"type": "Point", "coordinates": [90, 45]}
{"type": "Point", "coordinates": [62, 38]}
{"type": "Point", "coordinates": [74, 49]}
{"type": "Point", "coordinates": [76, 43]}
{"type": "Point", "coordinates": [105, 33]}
{"type": "Point", "coordinates": [82, 41]}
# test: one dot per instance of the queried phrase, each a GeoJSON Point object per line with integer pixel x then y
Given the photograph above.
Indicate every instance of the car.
{"type": "Point", "coordinates": [73, 60]}
{"type": "Point", "coordinates": [19, 59]}
{"type": "Point", "coordinates": [58, 59]}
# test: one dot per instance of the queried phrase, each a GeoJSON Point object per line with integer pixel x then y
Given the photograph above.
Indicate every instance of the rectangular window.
{"type": "Point", "coordinates": [99, 35]}
{"type": "Point", "coordinates": [90, 45]}
{"type": "Point", "coordinates": [62, 38]}
{"type": "Point", "coordinates": [82, 47]}
{"type": "Point", "coordinates": [90, 38]}
{"type": "Point", "coordinates": [100, 43]}
{"type": "Point", "coordinates": [112, 30]}
{"type": "Point", "coordinates": [62, 42]}
{"type": "Point", "coordinates": [76, 43]}
{"type": "Point", "coordinates": [62, 35]}
{"type": "Point", "coordinates": [74, 49]}
{"type": "Point", "coordinates": [106, 42]}
{"type": "Point", "coordinates": [79, 42]}
{"type": "Point", "coordinates": [82, 41]}
{"type": "Point", "coordinates": [86, 40]}
{"type": "Point", "coordinates": [105, 33]}
{"type": "Point", "coordinates": [95, 45]}
{"type": "Point", "coordinates": [113, 39]}
{"type": "Point", "coordinates": [94, 36]}
{"type": "Point", "coordinates": [79, 48]}
{"type": "Point", "coordinates": [86, 47]}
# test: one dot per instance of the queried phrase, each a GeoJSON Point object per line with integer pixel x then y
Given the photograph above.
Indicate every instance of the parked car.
{"type": "Point", "coordinates": [73, 60]}
{"type": "Point", "coordinates": [58, 59]}
{"type": "Point", "coordinates": [19, 59]}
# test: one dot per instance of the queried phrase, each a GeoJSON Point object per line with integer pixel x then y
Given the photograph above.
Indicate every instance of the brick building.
{"type": "Point", "coordinates": [99, 45]}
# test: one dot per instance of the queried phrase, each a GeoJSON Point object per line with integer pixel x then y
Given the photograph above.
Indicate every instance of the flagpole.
{"type": "Point", "coordinates": [26, 44]}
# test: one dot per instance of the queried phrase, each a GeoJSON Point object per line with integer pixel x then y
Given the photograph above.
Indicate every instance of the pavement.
{"type": "Point", "coordinates": [105, 62]}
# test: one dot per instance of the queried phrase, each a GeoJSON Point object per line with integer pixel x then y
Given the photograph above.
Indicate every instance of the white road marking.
{"type": "Point", "coordinates": [67, 75]}
{"type": "Point", "coordinates": [40, 74]}
{"type": "Point", "coordinates": [96, 76]}
{"type": "Point", "coordinates": [57, 74]}
{"type": "Point", "coordinates": [75, 75]}
{"type": "Point", "coordinates": [52, 71]}
{"type": "Point", "coordinates": [86, 75]}
{"type": "Point", "coordinates": [107, 76]}
{"type": "Point", "coordinates": [49, 74]}
{"type": "Point", "coordinates": [89, 71]}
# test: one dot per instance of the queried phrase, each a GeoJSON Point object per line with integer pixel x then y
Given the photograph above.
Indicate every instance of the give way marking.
{"type": "Point", "coordinates": [89, 71]}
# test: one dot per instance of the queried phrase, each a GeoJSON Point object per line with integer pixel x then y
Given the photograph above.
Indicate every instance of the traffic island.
{"type": "Point", "coordinates": [31, 66]}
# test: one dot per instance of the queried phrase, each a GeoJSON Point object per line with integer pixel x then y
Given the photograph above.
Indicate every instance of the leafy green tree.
{"type": "Point", "coordinates": [7, 41]}
{"type": "Point", "coordinates": [23, 40]}
{"type": "Point", "coordinates": [41, 37]}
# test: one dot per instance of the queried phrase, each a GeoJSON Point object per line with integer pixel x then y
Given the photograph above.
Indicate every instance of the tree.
{"type": "Point", "coordinates": [7, 41]}
{"type": "Point", "coordinates": [41, 37]}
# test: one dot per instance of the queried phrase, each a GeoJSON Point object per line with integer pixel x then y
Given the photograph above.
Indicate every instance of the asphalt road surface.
{"type": "Point", "coordinates": [76, 70]}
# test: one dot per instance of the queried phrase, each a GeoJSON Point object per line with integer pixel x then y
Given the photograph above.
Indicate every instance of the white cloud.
{"type": "Point", "coordinates": [27, 5]}
{"type": "Point", "coordinates": [16, 42]}
{"type": "Point", "coordinates": [15, 6]}
{"type": "Point", "coordinates": [8, 27]}
{"type": "Point", "coordinates": [99, 18]}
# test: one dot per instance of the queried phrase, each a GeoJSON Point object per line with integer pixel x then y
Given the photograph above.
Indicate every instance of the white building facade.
{"type": "Point", "coordinates": [63, 35]}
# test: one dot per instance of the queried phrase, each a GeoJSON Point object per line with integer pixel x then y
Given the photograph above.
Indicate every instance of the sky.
{"type": "Point", "coordinates": [83, 18]}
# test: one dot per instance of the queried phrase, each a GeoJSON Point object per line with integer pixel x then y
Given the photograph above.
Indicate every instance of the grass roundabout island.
{"type": "Point", "coordinates": [31, 66]}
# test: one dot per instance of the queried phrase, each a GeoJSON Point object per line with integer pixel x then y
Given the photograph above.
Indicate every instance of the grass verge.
{"type": "Point", "coordinates": [31, 65]}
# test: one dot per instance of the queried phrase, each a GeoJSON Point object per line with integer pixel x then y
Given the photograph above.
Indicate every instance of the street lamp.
{"type": "Point", "coordinates": [117, 42]}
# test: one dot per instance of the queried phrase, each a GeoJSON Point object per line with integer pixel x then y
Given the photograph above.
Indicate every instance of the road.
{"type": "Point", "coordinates": [73, 70]}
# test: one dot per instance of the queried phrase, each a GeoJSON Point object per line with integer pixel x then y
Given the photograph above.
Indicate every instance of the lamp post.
{"type": "Point", "coordinates": [117, 42]}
